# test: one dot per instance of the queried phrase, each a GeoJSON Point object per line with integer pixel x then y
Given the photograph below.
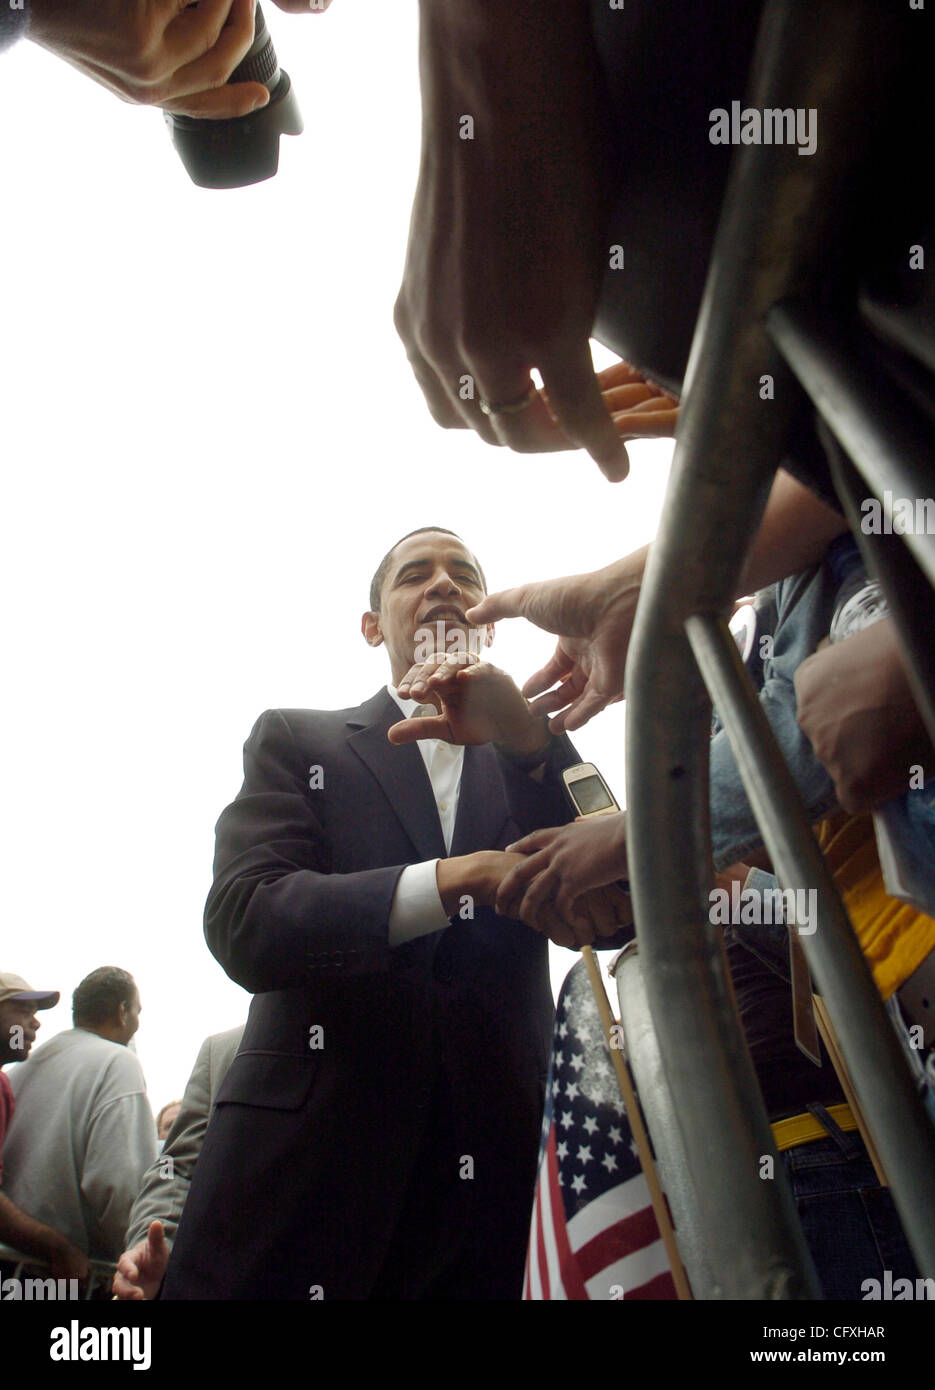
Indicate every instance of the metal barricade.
{"type": "Point", "coordinates": [781, 213]}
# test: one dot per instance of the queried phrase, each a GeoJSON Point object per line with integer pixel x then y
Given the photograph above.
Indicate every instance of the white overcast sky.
{"type": "Point", "coordinates": [210, 436]}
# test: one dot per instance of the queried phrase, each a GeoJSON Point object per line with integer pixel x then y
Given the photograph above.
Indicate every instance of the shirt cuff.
{"type": "Point", "coordinates": [417, 907]}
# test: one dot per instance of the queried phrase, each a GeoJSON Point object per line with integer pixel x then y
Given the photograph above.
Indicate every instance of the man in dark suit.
{"type": "Point", "coordinates": [376, 1136]}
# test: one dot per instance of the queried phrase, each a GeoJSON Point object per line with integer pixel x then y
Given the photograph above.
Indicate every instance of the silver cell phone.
{"type": "Point", "coordinates": [587, 791]}
{"type": "Point", "coordinates": [590, 795]}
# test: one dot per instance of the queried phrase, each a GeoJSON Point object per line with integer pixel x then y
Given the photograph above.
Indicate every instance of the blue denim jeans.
{"type": "Point", "coordinates": [848, 1219]}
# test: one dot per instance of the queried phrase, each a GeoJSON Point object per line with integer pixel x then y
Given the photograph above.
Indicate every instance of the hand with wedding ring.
{"type": "Point", "coordinates": [507, 241]}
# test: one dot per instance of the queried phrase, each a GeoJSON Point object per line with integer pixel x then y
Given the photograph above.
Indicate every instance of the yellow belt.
{"type": "Point", "coordinates": [802, 1129]}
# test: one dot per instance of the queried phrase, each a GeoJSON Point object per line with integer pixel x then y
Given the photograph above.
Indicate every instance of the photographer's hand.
{"type": "Point", "coordinates": [169, 53]}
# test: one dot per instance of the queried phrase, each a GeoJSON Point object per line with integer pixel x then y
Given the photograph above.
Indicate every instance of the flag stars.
{"type": "Point", "coordinates": [577, 1061]}
{"type": "Point", "coordinates": [579, 1183]}
{"type": "Point", "coordinates": [563, 1029]}
{"type": "Point", "coordinates": [584, 1153]}
{"type": "Point", "coordinates": [562, 1149]}
{"type": "Point", "coordinates": [590, 1124]}
{"type": "Point", "coordinates": [614, 1135]}
{"type": "Point", "coordinates": [566, 1120]}
{"type": "Point", "coordinates": [571, 1089]}
{"type": "Point", "coordinates": [609, 1162]}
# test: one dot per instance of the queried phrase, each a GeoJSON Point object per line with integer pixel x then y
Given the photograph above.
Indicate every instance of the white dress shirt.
{"type": "Point", "coordinates": [417, 906]}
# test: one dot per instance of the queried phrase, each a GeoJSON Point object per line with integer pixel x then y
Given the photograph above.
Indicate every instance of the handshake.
{"type": "Point", "coordinates": [562, 882]}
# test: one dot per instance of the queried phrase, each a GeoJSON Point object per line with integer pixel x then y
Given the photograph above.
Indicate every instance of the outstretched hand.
{"type": "Point", "coordinates": [593, 616]}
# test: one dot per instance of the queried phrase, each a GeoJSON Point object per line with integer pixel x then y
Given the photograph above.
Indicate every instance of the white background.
{"type": "Point", "coordinates": [210, 437]}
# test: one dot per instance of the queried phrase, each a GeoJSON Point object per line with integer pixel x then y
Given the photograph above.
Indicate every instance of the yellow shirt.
{"type": "Point", "coordinates": [893, 936]}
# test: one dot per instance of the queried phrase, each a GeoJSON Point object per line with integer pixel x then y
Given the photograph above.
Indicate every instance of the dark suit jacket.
{"type": "Point", "coordinates": [308, 1157]}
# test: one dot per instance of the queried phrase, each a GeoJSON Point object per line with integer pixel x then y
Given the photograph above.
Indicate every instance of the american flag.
{"type": "Point", "coordinates": [593, 1233]}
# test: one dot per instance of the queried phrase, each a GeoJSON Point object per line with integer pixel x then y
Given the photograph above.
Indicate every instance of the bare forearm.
{"type": "Point", "coordinates": [24, 1234]}
{"type": "Point", "coordinates": [795, 532]}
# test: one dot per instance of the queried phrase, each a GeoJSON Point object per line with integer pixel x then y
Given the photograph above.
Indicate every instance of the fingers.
{"type": "Point", "coordinates": [508, 603]}
{"type": "Point", "coordinates": [221, 103]}
{"type": "Point", "coordinates": [513, 885]}
{"type": "Point", "coordinates": [156, 1236]}
{"type": "Point", "coordinates": [436, 674]}
{"type": "Point", "coordinates": [620, 374]}
{"type": "Point", "coordinates": [576, 402]}
{"type": "Point", "coordinates": [188, 91]}
{"type": "Point", "coordinates": [538, 839]}
{"type": "Point", "coordinates": [648, 419]}
{"type": "Point", "coordinates": [532, 430]}
{"type": "Point", "coordinates": [445, 405]}
{"type": "Point", "coordinates": [124, 1287]}
{"type": "Point", "coordinates": [126, 1276]}
{"type": "Point", "coordinates": [582, 710]}
{"type": "Point", "coordinates": [558, 668]}
{"type": "Point", "coordinates": [621, 904]}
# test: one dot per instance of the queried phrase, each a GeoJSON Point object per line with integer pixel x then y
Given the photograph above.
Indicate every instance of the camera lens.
{"type": "Point", "coordinates": [244, 149]}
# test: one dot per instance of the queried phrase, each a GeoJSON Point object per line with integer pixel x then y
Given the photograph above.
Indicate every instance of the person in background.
{"type": "Point", "coordinates": [155, 1216]}
{"type": "Point", "coordinates": [19, 1004]}
{"type": "Point", "coordinates": [165, 1120]}
{"type": "Point", "coordinates": [83, 1133]}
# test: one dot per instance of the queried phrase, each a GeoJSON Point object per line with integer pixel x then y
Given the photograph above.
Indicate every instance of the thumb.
{"type": "Point", "coordinates": [411, 730]}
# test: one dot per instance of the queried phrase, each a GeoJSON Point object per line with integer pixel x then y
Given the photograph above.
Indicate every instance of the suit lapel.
{"type": "Point", "coordinates": [401, 773]}
{"type": "Point", "coordinates": [482, 813]}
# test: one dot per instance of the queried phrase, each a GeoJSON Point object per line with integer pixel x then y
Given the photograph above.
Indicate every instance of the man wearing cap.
{"type": "Point", "coordinates": [83, 1134]}
{"type": "Point", "coordinates": [19, 1005]}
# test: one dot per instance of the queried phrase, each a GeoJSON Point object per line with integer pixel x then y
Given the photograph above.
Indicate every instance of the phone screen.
{"type": "Point", "coordinates": [590, 795]}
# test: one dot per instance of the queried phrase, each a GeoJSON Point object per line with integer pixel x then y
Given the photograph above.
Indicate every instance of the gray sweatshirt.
{"type": "Point", "coordinates": [81, 1139]}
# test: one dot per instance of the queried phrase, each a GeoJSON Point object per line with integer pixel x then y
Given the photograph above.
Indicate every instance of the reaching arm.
{"type": "Point", "coordinates": [34, 1238]}
{"type": "Point", "coordinates": [593, 614]}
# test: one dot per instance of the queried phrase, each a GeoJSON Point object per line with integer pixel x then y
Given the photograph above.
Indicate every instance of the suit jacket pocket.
{"type": "Point", "coordinates": [270, 1080]}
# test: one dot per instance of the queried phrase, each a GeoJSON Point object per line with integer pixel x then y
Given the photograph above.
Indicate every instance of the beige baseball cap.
{"type": "Point", "coordinates": [15, 987]}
